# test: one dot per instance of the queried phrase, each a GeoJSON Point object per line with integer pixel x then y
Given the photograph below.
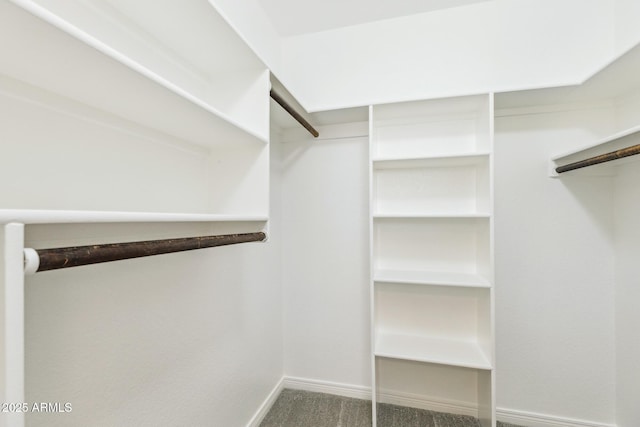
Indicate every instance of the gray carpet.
{"type": "Point", "coordinates": [295, 408]}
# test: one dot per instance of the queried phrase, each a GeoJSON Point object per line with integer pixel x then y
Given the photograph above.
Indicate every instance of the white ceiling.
{"type": "Point", "coordinates": [294, 17]}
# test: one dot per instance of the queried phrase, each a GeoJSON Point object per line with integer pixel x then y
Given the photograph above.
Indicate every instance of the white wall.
{"type": "Point", "coordinates": [627, 239]}
{"type": "Point", "coordinates": [555, 272]}
{"type": "Point", "coordinates": [491, 46]}
{"type": "Point", "coordinates": [627, 14]}
{"type": "Point", "coordinates": [250, 21]}
{"type": "Point", "coordinates": [325, 258]}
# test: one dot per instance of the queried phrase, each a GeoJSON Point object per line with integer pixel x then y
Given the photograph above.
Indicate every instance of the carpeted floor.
{"type": "Point", "coordinates": [295, 408]}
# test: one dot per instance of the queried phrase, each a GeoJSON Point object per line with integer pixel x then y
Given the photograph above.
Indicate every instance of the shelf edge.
{"type": "Point", "coordinates": [611, 138]}
{"type": "Point", "coordinates": [434, 216]}
{"type": "Point", "coordinates": [429, 158]}
{"type": "Point", "coordinates": [484, 367]}
{"type": "Point", "coordinates": [34, 216]}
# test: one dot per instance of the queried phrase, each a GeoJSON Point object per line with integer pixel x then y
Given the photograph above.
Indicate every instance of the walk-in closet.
{"type": "Point", "coordinates": [279, 213]}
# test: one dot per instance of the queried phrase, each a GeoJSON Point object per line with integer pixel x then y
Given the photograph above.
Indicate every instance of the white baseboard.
{"type": "Point", "coordinates": [522, 418]}
{"type": "Point", "coordinates": [263, 410]}
{"type": "Point", "coordinates": [339, 389]}
{"type": "Point", "coordinates": [531, 419]}
{"type": "Point", "coordinates": [395, 398]}
{"type": "Point", "coordinates": [429, 403]}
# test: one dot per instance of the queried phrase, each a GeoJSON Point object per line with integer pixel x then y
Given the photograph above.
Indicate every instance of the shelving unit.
{"type": "Point", "coordinates": [432, 255]}
{"type": "Point", "coordinates": [122, 125]}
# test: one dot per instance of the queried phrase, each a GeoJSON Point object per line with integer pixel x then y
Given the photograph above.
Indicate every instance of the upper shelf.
{"type": "Point", "coordinates": [105, 60]}
{"type": "Point", "coordinates": [35, 216]}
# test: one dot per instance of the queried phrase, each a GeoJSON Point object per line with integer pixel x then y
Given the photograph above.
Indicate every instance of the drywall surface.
{"type": "Point", "coordinates": [329, 14]}
{"type": "Point", "coordinates": [627, 14]}
{"type": "Point", "coordinates": [626, 209]}
{"type": "Point", "coordinates": [627, 244]}
{"type": "Point", "coordinates": [250, 21]}
{"type": "Point", "coordinates": [325, 255]}
{"type": "Point", "coordinates": [491, 46]}
{"type": "Point", "coordinates": [191, 339]}
{"type": "Point", "coordinates": [554, 272]}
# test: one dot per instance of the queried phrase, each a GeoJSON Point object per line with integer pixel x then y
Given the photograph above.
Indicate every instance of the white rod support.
{"type": "Point", "coordinates": [31, 261]}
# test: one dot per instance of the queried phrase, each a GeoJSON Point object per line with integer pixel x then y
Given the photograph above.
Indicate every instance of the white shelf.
{"type": "Point", "coordinates": [450, 352]}
{"type": "Point", "coordinates": [617, 141]}
{"type": "Point", "coordinates": [437, 278]}
{"type": "Point", "coordinates": [34, 216]}
{"type": "Point", "coordinates": [59, 57]}
{"type": "Point", "coordinates": [443, 215]}
{"type": "Point", "coordinates": [80, 158]}
{"type": "Point", "coordinates": [461, 159]}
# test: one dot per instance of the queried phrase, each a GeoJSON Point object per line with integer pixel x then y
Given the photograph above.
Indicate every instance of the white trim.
{"type": "Point", "coordinates": [522, 418]}
{"type": "Point", "coordinates": [429, 403]}
{"type": "Point", "coordinates": [12, 308]}
{"type": "Point", "coordinates": [395, 398]}
{"type": "Point", "coordinates": [531, 419]}
{"type": "Point", "coordinates": [339, 389]}
{"type": "Point", "coordinates": [264, 409]}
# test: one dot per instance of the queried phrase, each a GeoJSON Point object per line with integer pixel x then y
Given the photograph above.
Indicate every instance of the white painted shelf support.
{"type": "Point", "coordinates": [12, 273]}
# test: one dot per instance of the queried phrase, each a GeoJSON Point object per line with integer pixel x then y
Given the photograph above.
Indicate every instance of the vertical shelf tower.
{"type": "Point", "coordinates": [432, 275]}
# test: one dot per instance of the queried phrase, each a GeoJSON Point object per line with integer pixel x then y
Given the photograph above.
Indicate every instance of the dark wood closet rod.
{"type": "Point", "coordinates": [614, 155]}
{"type": "Point", "coordinates": [53, 259]}
{"type": "Point", "coordinates": [289, 109]}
